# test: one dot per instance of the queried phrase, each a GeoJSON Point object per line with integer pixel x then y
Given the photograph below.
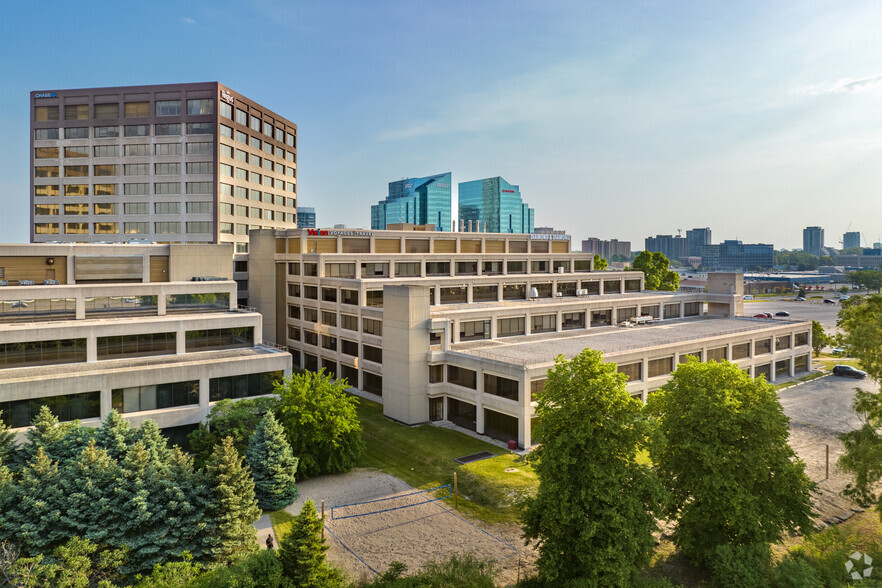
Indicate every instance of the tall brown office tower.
{"type": "Point", "coordinates": [175, 163]}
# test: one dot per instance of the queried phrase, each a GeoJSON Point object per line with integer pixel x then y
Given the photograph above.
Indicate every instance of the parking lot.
{"type": "Point", "coordinates": [824, 403]}
{"type": "Point", "coordinates": [812, 309]}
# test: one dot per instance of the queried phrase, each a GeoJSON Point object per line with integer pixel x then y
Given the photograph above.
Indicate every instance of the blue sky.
{"type": "Point", "coordinates": [617, 120]}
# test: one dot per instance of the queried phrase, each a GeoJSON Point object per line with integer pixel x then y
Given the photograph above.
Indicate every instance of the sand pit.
{"type": "Point", "coordinates": [424, 529]}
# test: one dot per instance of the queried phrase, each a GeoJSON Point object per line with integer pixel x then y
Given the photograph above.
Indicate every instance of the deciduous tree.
{"type": "Point", "coordinates": [861, 324]}
{"type": "Point", "coordinates": [321, 423]}
{"type": "Point", "coordinates": [720, 448]}
{"type": "Point", "coordinates": [230, 418]}
{"type": "Point", "coordinates": [600, 263]}
{"type": "Point", "coordinates": [272, 465]}
{"type": "Point", "coordinates": [657, 276]}
{"type": "Point", "coordinates": [819, 337]}
{"type": "Point", "coordinates": [592, 514]}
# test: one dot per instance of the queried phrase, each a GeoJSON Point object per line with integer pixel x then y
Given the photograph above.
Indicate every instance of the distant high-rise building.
{"type": "Point", "coordinates": [695, 239]}
{"type": "Point", "coordinates": [606, 249]}
{"type": "Point", "coordinates": [813, 240]}
{"type": "Point", "coordinates": [306, 217]}
{"type": "Point", "coordinates": [171, 163]}
{"type": "Point", "coordinates": [496, 205]}
{"type": "Point", "coordinates": [670, 246]}
{"type": "Point", "coordinates": [851, 239]}
{"type": "Point", "coordinates": [418, 201]}
{"type": "Point", "coordinates": [548, 231]}
{"type": "Point", "coordinates": [735, 255]}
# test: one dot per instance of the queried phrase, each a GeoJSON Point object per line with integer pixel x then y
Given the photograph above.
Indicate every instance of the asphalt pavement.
{"type": "Point", "coordinates": [825, 403]}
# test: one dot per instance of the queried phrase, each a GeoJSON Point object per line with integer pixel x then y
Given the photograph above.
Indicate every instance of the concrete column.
{"type": "Point", "coordinates": [622, 285]}
{"type": "Point", "coordinates": [645, 372]}
{"type": "Point", "coordinates": [391, 268]}
{"type": "Point", "coordinates": [203, 392]}
{"type": "Point", "coordinates": [405, 345]}
{"type": "Point", "coordinates": [106, 402]}
{"type": "Point", "coordinates": [682, 307]}
{"type": "Point", "coordinates": [422, 269]}
{"type": "Point", "coordinates": [499, 292]}
{"type": "Point", "coordinates": [479, 404]}
{"type": "Point", "coordinates": [181, 342]}
{"type": "Point", "coordinates": [469, 294]}
{"type": "Point", "coordinates": [80, 306]}
{"type": "Point", "coordinates": [91, 348]}
{"type": "Point", "coordinates": [454, 325]}
{"type": "Point", "coordinates": [558, 321]}
{"type": "Point", "coordinates": [160, 304]}
{"type": "Point", "coordinates": [601, 289]}
{"type": "Point", "coordinates": [493, 327]}
{"type": "Point", "coordinates": [792, 365]}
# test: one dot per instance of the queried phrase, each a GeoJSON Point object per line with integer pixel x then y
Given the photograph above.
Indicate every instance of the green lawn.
{"type": "Point", "coordinates": [281, 521]}
{"type": "Point", "coordinates": [423, 457]}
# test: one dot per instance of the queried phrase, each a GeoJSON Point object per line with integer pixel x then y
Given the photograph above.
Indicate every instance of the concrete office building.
{"type": "Point", "coordinates": [672, 247]}
{"type": "Point", "coordinates": [418, 201]}
{"type": "Point", "coordinates": [150, 330]}
{"type": "Point", "coordinates": [606, 249]}
{"type": "Point", "coordinates": [851, 239]}
{"type": "Point", "coordinates": [464, 326]}
{"type": "Point", "coordinates": [306, 217]}
{"type": "Point", "coordinates": [813, 240]}
{"type": "Point", "coordinates": [696, 239]}
{"type": "Point", "coordinates": [492, 205]}
{"type": "Point", "coordinates": [732, 255]}
{"type": "Point", "coordinates": [174, 163]}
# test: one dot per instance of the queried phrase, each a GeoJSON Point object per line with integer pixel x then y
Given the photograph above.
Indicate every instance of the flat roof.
{"type": "Point", "coordinates": [543, 348]}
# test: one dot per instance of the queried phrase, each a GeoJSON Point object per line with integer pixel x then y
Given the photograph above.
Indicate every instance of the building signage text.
{"type": "Point", "coordinates": [509, 191]}
{"type": "Point", "coordinates": [545, 237]}
{"type": "Point", "coordinates": [333, 233]}
{"type": "Point", "coordinates": [227, 97]}
{"type": "Point", "coordinates": [44, 95]}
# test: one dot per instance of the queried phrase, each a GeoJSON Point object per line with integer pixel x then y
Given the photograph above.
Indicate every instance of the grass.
{"type": "Point", "coordinates": [805, 378]}
{"type": "Point", "coordinates": [423, 457]}
{"type": "Point", "coordinates": [281, 521]}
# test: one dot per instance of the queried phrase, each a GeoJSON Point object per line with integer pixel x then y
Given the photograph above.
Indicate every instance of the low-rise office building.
{"type": "Point", "coordinates": [150, 330]}
{"type": "Point", "coordinates": [464, 326]}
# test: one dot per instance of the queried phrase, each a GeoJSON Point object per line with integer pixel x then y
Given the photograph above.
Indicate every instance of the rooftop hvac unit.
{"type": "Point", "coordinates": [581, 292]}
{"type": "Point", "coordinates": [559, 294]}
{"type": "Point", "coordinates": [560, 270]}
{"type": "Point", "coordinates": [534, 294]}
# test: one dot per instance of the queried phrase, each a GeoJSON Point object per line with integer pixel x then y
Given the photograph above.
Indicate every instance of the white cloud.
{"type": "Point", "coordinates": [843, 86]}
{"type": "Point", "coordinates": [188, 20]}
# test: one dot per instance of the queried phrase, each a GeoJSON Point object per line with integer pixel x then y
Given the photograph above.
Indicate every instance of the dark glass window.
{"type": "Point", "coordinates": [187, 303]}
{"type": "Point", "coordinates": [139, 398]}
{"type": "Point", "coordinates": [67, 407]}
{"type": "Point", "coordinates": [500, 386]}
{"type": "Point", "coordinates": [245, 385]}
{"type": "Point", "coordinates": [216, 339]}
{"type": "Point", "coordinates": [462, 377]}
{"type": "Point", "coordinates": [141, 345]}
{"type": "Point", "coordinates": [371, 353]}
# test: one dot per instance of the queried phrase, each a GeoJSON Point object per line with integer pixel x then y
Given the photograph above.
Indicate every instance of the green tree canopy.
{"type": "Point", "coordinates": [861, 324]}
{"type": "Point", "coordinates": [302, 552]}
{"type": "Point", "coordinates": [869, 279]}
{"type": "Point", "coordinates": [719, 445]}
{"type": "Point", "coordinates": [234, 507]}
{"type": "Point", "coordinates": [592, 514]}
{"type": "Point", "coordinates": [599, 263]}
{"type": "Point", "coordinates": [819, 337]}
{"type": "Point", "coordinates": [321, 423]}
{"type": "Point", "coordinates": [655, 270]}
{"type": "Point", "coordinates": [230, 418]}
{"type": "Point", "coordinates": [272, 464]}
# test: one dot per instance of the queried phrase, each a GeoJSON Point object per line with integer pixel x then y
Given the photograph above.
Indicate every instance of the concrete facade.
{"type": "Point", "coordinates": [86, 346]}
{"type": "Point", "coordinates": [464, 326]}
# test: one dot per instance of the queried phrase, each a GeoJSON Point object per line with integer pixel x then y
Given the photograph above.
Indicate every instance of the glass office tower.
{"type": "Point", "coordinates": [419, 201]}
{"type": "Point", "coordinates": [496, 204]}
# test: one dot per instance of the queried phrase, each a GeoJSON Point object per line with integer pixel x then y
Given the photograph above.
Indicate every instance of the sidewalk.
{"type": "Point", "coordinates": [265, 527]}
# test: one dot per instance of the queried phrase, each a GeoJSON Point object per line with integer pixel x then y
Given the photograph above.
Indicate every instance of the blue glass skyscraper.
{"type": "Point", "coordinates": [305, 217]}
{"type": "Point", "coordinates": [419, 201]}
{"type": "Point", "coordinates": [496, 204]}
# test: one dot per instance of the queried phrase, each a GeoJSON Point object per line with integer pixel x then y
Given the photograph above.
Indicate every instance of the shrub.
{"type": "Point", "coordinates": [736, 566]}
{"type": "Point", "coordinates": [796, 572]}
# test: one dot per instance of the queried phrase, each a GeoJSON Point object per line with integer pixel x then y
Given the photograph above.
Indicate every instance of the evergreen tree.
{"type": "Point", "coordinates": [154, 442]}
{"type": "Point", "coordinates": [272, 464]}
{"type": "Point", "coordinates": [45, 433]}
{"type": "Point", "coordinates": [114, 435]}
{"type": "Point", "coordinates": [592, 515]}
{"type": "Point", "coordinates": [34, 510]}
{"type": "Point", "coordinates": [302, 552]}
{"type": "Point", "coordinates": [141, 511]}
{"type": "Point", "coordinates": [234, 508]}
{"type": "Point", "coordinates": [88, 485]}
{"type": "Point", "coordinates": [187, 496]}
{"type": "Point", "coordinates": [7, 444]}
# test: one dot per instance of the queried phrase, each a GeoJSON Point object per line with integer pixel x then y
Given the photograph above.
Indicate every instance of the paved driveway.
{"type": "Point", "coordinates": [825, 314]}
{"type": "Point", "coordinates": [824, 403]}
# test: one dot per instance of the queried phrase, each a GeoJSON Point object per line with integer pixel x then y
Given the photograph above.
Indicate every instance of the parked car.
{"type": "Point", "coordinates": [799, 299]}
{"type": "Point", "coordinates": [760, 315]}
{"type": "Point", "coordinates": [837, 350]}
{"type": "Point", "coordinates": [19, 304]}
{"type": "Point", "coordinates": [782, 313]}
{"type": "Point", "coordinates": [829, 301]}
{"type": "Point", "coordinates": [846, 371]}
